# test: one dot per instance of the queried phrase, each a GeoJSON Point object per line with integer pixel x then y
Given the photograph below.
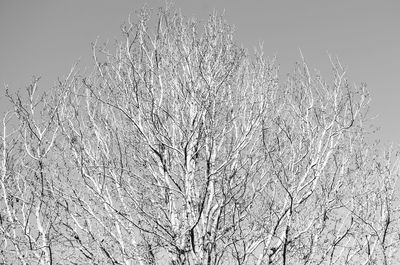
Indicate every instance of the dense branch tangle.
{"type": "Point", "coordinates": [190, 108]}
{"type": "Point", "coordinates": [181, 148]}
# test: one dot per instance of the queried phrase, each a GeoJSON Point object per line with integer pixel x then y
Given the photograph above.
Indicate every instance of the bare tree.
{"type": "Point", "coordinates": [30, 179]}
{"type": "Point", "coordinates": [183, 148]}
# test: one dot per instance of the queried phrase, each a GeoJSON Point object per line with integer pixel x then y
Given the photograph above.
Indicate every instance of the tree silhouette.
{"type": "Point", "coordinates": [182, 148]}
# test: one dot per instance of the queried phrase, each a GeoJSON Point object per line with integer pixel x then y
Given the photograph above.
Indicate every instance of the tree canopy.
{"type": "Point", "coordinates": [181, 147]}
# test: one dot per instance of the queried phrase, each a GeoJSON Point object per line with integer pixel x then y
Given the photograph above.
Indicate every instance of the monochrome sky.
{"type": "Point", "coordinates": [45, 38]}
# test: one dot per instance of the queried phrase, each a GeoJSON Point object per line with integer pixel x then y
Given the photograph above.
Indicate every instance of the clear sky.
{"type": "Point", "coordinates": [45, 38]}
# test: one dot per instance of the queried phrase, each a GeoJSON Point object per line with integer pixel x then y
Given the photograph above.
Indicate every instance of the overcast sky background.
{"type": "Point", "coordinates": [45, 38]}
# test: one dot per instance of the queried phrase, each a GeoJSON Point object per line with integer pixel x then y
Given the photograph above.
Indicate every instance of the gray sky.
{"type": "Point", "coordinates": [45, 38]}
